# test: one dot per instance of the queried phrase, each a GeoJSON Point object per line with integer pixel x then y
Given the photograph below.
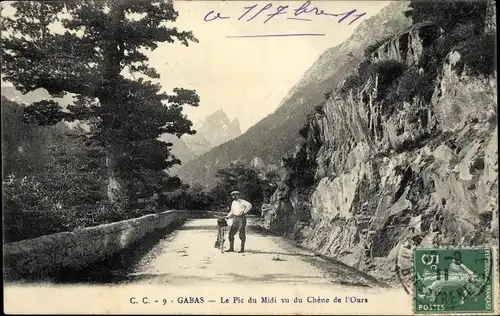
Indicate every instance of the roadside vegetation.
{"type": "Point", "coordinates": [59, 179]}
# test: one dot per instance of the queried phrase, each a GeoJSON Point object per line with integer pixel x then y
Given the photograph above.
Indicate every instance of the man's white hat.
{"type": "Point", "coordinates": [235, 192]}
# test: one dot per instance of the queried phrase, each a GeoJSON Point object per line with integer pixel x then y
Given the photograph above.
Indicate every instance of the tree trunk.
{"type": "Point", "coordinates": [116, 190]}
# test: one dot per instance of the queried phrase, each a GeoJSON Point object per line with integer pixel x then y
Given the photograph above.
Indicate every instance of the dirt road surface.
{"type": "Point", "coordinates": [188, 255]}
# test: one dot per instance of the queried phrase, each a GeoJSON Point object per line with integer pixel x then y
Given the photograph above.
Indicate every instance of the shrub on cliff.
{"type": "Point", "coordinates": [300, 170]}
{"type": "Point", "coordinates": [370, 49]}
{"type": "Point", "coordinates": [448, 14]}
{"type": "Point", "coordinates": [320, 109]}
{"type": "Point", "coordinates": [356, 79]}
{"type": "Point", "coordinates": [444, 44]}
{"type": "Point", "coordinates": [410, 85]}
{"type": "Point", "coordinates": [387, 70]}
{"type": "Point", "coordinates": [478, 53]}
{"type": "Point", "coordinates": [327, 95]}
{"type": "Point", "coordinates": [304, 130]}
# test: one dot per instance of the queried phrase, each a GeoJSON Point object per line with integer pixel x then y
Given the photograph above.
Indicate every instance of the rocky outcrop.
{"type": "Point", "coordinates": [408, 46]}
{"type": "Point", "coordinates": [257, 162]}
{"type": "Point", "coordinates": [386, 172]}
{"type": "Point", "coordinates": [45, 255]}
{"type": "Point", "coordinates": [460, 96]}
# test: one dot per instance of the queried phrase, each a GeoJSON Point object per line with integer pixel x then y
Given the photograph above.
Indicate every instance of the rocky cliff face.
{"type": "Point", "coordinates": [422, 167]}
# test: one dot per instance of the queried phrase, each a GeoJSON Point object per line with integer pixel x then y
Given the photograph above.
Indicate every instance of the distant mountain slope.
{"type": "Point", "coordinates": [179, 147]}
{"type": "Point", "coordinates": [13, 95]}
{"type": "Point", "coordinates": [277, 134]}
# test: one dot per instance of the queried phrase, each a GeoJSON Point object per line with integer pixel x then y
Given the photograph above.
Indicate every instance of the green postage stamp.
{"type": "Point", "coordinates": [453, 281]}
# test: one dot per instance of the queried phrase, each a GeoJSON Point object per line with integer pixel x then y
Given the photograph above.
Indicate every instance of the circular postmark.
{"type": "Point", "coordinates": [446, 279]}
{"type": "Point", "coordinates": [404, 263]}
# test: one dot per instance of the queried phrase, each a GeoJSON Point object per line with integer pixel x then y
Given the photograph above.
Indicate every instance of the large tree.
{"type": "Point", "coordinates": [102, 41]}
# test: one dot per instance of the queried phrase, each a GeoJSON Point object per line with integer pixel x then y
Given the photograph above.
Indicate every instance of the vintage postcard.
{"type": "Point", "coordinates": [250, 157]}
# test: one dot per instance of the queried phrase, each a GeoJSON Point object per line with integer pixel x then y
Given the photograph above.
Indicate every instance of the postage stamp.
{"type": "Point", "coordinates": [453, 281]}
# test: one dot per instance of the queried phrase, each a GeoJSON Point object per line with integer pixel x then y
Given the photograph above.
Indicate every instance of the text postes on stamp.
{"type": "Point", "coordinates": [452, 280]}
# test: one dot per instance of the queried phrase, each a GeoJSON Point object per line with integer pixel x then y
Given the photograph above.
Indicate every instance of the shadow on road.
{"type": "Point", "coordinates": [261, 231]}
{"type": "Point", "coordinates": [339, 271]}
{"type": "Point", "coordinates": [234, 278]}
{"type": "Point", "coordinates": [272, 277]}
{"type": "Point", "coordinates": [278, 253]}
{"type": "Point", "coordinates": [117, 268]}
{"type": "Point", "coordinates": [201, 228]}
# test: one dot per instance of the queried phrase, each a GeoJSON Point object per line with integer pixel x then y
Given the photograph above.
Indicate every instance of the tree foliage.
{"type": "Point", "coordinates": [254, 186]}
{"type": "Point", "coordinates": [101, 41]}
{"type": "Point", "coordinates": [59, 184]}
{"type": "Point", "coordinates": [188, 197]}
{"type": "Point", "coordinates": [300, 170]}
{"type": "Point", "coordinates": [478, 53]}
{"type": "Point", "coordinates": [448, 14]}
{"type": "Point", "coordinates": [372, 48]}
{"type": "Point", "coordinates": [24, 148]}
{"type": "Point", "coordinates": [386, 70]}
{"type": "Point", "coordinates": [463, 23]}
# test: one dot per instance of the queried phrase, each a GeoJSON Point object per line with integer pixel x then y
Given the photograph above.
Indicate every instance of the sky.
{"type": "Point", "coordinates": [249, 77]}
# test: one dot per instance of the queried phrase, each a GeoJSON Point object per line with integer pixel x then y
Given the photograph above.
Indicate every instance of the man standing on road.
{"type": "Point", "coordinates": [239, 209]}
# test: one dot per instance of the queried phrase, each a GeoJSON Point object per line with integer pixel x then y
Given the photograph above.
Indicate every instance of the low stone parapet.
{"type": "Point", "coordinates": [45, 255]}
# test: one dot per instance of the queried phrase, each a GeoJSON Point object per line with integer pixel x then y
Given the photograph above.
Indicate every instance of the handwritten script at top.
{"type": "Point", "coordinates": [304, 12]}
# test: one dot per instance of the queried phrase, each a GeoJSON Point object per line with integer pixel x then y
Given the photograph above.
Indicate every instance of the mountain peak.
{"type": "Point", "coordinates": [218, 115]}
{"type": "Point", "coordinates": [214, 130]}
{"type": "Point", "coordinates": [236, 125]}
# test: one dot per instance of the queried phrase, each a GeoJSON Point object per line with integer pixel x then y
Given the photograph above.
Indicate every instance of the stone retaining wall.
{"type": "Point", "coordinates": [45, 255]}
{"type": "Point", "coordinates": [206, 214]}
